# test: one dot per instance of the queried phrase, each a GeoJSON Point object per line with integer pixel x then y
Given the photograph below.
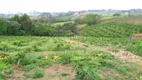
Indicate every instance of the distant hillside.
{"type": "Point", "coordinates": [130, 19]}
{"type": "Point", "coordinates": [112, 29]}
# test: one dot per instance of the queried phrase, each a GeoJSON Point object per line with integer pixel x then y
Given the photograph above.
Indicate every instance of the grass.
{"type": "Point", "coordinates": [62, 23]}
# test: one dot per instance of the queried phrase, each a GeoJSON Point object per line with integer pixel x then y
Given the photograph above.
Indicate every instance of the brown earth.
{"type": "Point", "coordinates": [50, 73]}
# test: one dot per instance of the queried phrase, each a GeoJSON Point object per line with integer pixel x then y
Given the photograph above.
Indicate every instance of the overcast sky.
{"type": "Point", "coordinates": [65, 5]}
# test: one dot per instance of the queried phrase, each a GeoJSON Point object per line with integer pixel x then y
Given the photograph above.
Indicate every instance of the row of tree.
{"type": "Point", "coordinates": [23, 25]}
{"type": "Point", "coordinates": [16, 26]}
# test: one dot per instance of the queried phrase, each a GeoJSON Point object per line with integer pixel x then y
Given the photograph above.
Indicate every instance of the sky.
{"type": "Point", "coordinates": [65, 5]}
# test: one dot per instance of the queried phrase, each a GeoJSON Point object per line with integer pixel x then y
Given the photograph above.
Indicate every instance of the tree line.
{"type": "Point", "coordinates": [23, 26]}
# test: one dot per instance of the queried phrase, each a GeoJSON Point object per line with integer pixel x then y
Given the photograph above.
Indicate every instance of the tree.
{"type": "Point", "coordinates": [80, 21]}
{"type": "Point", "coordinates": [26, 24]}
{"type": "Point", "coordinates": [13, 28]}
{"type": "Point", "coordinates": [44, 30]}
{"type": "Point", "coordinates": [16, 18]}
{"type": "Point", "coordinates": [91, 19]}
{"type": "Point", "coordinates": [3, 27]}
{"type": "Point", "coordinates": [116, 14]}
{"type": "Point", "coordinates": [68, 29]}
{"type": "Point", "coordinates": [46, 17]}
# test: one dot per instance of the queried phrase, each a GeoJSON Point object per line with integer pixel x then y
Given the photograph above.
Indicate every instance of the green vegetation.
{"type": "Point", "coordinates": [136, 47]}
{"type": "Point", "coordinates": [64, 74]}
{"type": "Point", "coordinates": [23, 25]}
{"type": "Point", "coordinates": [116, 14]}
{"type": "Point", "coordinates": [88, 65]}
{"type": "Point", "coordinates": [112, 29]}
{"type": "Point", "coordinates": [31, 44]}
{"type": "Point", "coordinates": [2, 77]}
{"type": "Point", "coordinates": [38, 73]}
{"type": "Point", "coordinates": [61, 23]}
{"type": "Point", "coordinates": [129, 19]}
{"type": "Point", "coordinates": [98, 50]}
{"type": "Point", "coordinates": [103, 41]}
{"type": "Point", "coordinates": [89, 19]}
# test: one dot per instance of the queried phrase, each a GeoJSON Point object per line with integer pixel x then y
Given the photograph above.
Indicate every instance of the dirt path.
{"type": "Point", "coordinates": [56, 72]}
{"type": "Point", "coordinates": [122, 54]}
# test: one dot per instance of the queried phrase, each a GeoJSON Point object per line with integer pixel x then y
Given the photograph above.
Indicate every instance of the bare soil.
{"type": "Point", "coordinates": [50, 73]}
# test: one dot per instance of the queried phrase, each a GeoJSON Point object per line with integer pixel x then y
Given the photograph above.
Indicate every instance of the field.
{"type": "Point", "coordinates": [112, 29]}
{"type": "Point", "coordinates": [68, 58]}
{"type": "Point", "coordinates": [62, 23]}
{"type": "Point", "coordinates": [90, 48]}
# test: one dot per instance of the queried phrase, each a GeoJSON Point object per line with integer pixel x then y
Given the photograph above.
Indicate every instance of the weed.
{"type": "Point", "coordinates": [37, 73]}
{"type": "Point", "coordinates": [64, 74]}
{"type": "Point", "coordinates": [29, 67]}
{"type": "Point", "coordinates": [2, 77]}
{"type": "Point", "coordinates": [8, 71]}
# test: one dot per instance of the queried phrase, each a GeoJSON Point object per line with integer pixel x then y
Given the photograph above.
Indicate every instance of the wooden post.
{"type": "Point", "coordinates": [129, 42]}
{"type": "Point", "coordinates": [135, 36]}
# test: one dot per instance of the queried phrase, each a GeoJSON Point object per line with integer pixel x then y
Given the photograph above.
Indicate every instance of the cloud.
{"type": "Point", "coordinates": [65, 5]}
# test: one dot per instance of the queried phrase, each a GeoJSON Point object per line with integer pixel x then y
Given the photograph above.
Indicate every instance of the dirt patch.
{"type": "Point", "coordinates": [128, 56]}
{"type": "Point", "coordinates": [17, 74]}
{"type": "Point", "coordinates": [90, 47]}
{"type": "Point", "coordinates": [55, 73]}
{"type": "Point", "coordinates": [125, 55]}
{"type": "Point", "coordinates": [110, 72]}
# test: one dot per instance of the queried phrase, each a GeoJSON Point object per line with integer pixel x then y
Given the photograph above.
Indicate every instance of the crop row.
{"type": "Point", "coordinates": [29, 44]}
{"type": "Point", "coordinates": [112, 29]}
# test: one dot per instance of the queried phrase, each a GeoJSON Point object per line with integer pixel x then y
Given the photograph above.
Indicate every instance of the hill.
{"type": "Point", "coordinates": [130, 19]}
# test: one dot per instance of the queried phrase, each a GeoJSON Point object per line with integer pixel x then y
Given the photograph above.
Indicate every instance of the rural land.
{"type": "Point", "coordinates": [73, 45]}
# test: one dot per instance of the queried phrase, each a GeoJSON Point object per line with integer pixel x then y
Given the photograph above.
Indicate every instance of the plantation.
{"type": "Point", "coordinates": [112, 29]}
